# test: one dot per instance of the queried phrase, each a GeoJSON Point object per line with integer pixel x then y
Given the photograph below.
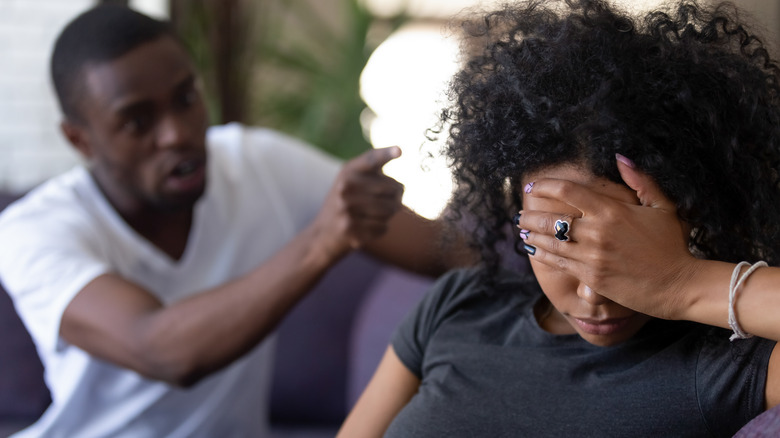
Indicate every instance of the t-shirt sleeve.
{"type": "Point", "coordinates": [411, 337]}
{"type": "Point", "coordinates": [301, 174]}
{"type": "Point", "coordinates": [44, 263]}
{"type": "Point", "coordinates": [731, 379]}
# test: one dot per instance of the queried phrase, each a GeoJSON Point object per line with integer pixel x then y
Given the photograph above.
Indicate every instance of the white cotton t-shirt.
{"type": "Point", "coordinates": [262, 188]}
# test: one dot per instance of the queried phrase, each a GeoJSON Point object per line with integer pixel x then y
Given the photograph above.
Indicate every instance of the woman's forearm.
{"type": "Point", "coordinates": [756, 303]}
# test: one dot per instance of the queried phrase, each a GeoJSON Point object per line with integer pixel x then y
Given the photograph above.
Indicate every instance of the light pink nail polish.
{"type": "Point", "coordinates": [528, 187]}
{"type": "Point", "coordinates": [625, 161]}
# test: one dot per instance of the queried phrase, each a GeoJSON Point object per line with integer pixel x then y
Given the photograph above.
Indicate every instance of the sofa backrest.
{"type": "Point", "coordinates": [23, 393]}
{"type": "Point", "coordinates": [312, 348]}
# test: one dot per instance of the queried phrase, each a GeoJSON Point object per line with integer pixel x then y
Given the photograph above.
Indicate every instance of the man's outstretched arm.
{"type": "Point", "coordinates": [181, 343]}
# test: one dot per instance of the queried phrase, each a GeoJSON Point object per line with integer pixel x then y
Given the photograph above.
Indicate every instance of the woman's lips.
{"type": "Point", "coordinates": [602, 327]}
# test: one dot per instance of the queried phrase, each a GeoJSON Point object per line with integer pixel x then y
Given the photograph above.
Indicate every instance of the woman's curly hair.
{"type": "Point", "coordinates": [690, 95]}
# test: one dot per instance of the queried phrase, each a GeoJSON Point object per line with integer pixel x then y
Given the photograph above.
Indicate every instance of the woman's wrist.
{"type": "Point", "coordinates": [705, 293]}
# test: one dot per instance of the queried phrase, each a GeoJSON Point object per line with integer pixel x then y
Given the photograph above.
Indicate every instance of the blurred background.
{"type": "Point", "coordinates": [344, 75]}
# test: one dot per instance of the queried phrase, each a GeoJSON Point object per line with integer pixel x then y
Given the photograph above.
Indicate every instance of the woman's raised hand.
{"type": "Point", "coordinates": [634, 254]}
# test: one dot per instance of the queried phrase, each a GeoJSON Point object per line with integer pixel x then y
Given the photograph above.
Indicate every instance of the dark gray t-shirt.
{"type": "Point", "coordinates": [489, 370]}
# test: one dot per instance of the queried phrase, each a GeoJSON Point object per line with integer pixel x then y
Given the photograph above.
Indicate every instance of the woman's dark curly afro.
{"type": "Point", "coordinates": [690, 95]}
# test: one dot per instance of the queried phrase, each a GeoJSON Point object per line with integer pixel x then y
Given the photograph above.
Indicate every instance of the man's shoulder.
{"type": "Point", "coordinates": [251, 157]}
{"type": "Point", "coordinates": [54, 201]}
{"type": "Point", "coordinates": [236, 136]}
{"type": "Point", "coordinates": [256, 143]}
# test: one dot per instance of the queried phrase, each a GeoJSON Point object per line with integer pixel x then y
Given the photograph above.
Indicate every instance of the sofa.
{"type": "Point", "coordinates": [327, 350]}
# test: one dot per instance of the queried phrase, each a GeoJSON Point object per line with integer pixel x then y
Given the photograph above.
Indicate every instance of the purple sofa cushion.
{"type": "Point", "coordinates": [766, 425]}
{"type": "Point", "coordinates": [393, 294]}
{"type": "Point", "coordinates": [310, 369]}
{"type": "Point", "coordinates": [23, 393]}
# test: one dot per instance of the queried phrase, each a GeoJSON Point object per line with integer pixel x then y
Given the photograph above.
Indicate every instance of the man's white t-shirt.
{"type": "Point", "coordinates": [262, 189]}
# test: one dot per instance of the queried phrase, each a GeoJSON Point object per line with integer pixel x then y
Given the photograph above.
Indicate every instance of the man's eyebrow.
{"type": "Point", "coordinates": [135, 107]}
{"type": "Point", "coordinates": [132, 106]}
{"type": "Point", "coordinates": [187, 82]}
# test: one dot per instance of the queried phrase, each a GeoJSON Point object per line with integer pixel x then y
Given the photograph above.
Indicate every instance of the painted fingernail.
{"type": "Point", "coordinates": [531, 250]}
{"type": "Point", "coordinates": [528, 187]}
{"type": "Point", "coordinates": [516, 219]}
{"type": "Point", "coordinates": [625, 161]}
{"type": "Point", "coordinates": [524, 235]}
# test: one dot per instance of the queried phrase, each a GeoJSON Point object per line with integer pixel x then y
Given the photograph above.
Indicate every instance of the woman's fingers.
{"type": "Point", "coordinates": [547, 250]}
{"type": "Point", "coordinates": [553, 224]}
{"type": "Point", "coordinates": [571, 256]}
{"type": "Point", "coordinates": [576, 195]}
{"type": "Point", "coordinates": [648, 192]}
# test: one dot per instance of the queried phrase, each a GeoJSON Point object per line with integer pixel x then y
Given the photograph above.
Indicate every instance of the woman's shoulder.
{"type": "Point", "coordinates": [478, 278]}
{"type": "Point", "coordinates": [468, 284]}
{"type": "Point", "coordinates": [465, 301]}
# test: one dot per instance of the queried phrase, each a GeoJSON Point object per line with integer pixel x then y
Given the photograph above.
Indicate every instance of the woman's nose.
{"type": "Point", "coordinates": [587, 294]}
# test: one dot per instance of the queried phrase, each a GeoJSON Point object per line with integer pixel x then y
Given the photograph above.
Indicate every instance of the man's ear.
{"type": "Point", "coordinates": [77, 136]}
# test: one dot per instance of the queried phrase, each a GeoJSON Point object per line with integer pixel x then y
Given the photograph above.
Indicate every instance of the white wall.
{"type": "Point", "coordinates": [31, 146]}
{"type": "Point", "coordinates": [767, 14]}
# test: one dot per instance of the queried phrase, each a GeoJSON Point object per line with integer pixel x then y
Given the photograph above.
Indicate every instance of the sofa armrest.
{"type": "Point", "coordinates": [392, 295]}
{"type": "Point", "coordinates": [765, 425]}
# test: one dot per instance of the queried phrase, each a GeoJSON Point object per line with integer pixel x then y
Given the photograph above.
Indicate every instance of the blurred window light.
{"type": "Point", "coordinates": [158, 9]}
{"type": "Point", "coordinates": [403, 84]}
{"type": "Point", "coordinates": [448, 8]}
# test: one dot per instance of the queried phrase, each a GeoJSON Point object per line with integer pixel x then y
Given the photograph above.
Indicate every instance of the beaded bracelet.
{"type": "Point", "coordinates": [733, 287]}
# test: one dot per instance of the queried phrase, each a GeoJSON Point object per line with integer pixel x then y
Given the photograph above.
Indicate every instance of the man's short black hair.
{"type": "Point", "coordinates": [101, 34]}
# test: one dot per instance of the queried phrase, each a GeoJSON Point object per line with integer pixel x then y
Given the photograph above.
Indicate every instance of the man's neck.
{"type": "Point", "coordinates": [167, 229]}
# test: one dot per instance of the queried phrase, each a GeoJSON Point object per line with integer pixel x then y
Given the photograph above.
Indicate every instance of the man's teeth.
{"type": "Point", "coordinates": [185, 169]}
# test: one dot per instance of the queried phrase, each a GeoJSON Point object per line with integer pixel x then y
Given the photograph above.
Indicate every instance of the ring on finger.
{"type": "Point", "coordinates": [562, 228]}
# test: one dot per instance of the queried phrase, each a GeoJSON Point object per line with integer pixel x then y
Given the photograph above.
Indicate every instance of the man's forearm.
{"type": "Point", "coordinates": [208, 331]}
{"type": "Point", "coordinates": [420, 245]}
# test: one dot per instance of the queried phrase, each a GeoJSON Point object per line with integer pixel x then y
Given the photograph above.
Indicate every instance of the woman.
{"type": "Point", "coordinates": [587, 346]}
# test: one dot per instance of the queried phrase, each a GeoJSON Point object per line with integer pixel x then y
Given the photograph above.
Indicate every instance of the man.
{"type": "Point", "coordinates": [150, 279]}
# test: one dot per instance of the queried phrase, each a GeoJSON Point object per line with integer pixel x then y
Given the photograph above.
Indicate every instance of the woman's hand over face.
{"type": "Point", "coordinates": [635, 254]}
